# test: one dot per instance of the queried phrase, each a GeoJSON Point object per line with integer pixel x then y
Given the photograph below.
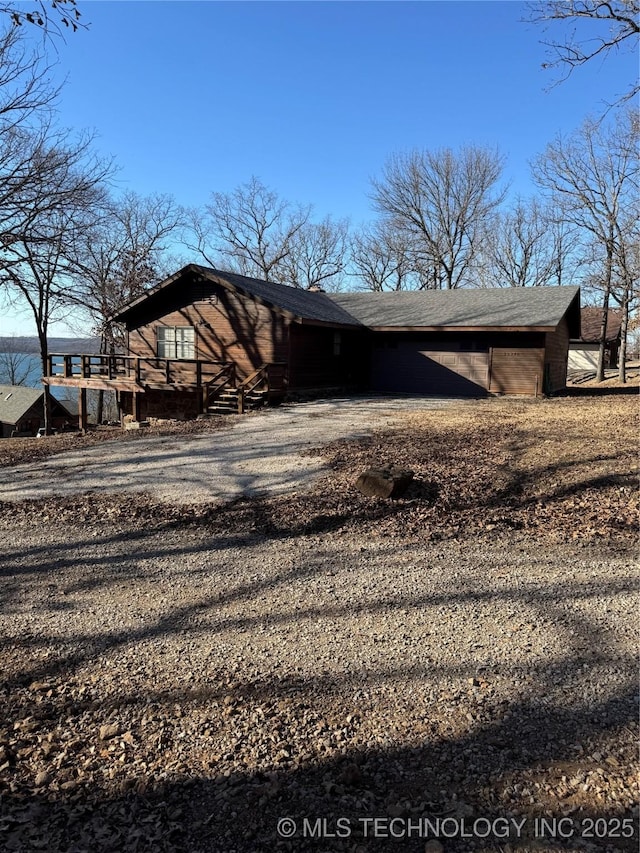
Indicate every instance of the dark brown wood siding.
{"type": "Point", "coordinates": [516, 370]}
{"type": "Point", "coordinates": [556, 357]}
{"type": "Point", "coordinates": [228, 327]}
{"type": "Point", "coordinates": [324, 357]}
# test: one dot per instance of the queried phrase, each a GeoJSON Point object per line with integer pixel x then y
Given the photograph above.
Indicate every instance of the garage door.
{"type": "Point", "coordinates": [413, 368]}
{"type": "Point", "coordinates": [516, 371]}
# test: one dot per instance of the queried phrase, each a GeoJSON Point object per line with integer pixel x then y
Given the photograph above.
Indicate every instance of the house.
{"type": "Point", "coordinates": [202, 336]}
{"type": "Point", "coordinates": [22, 411]}
{"type": "Point", "coordinates": [584, 350]}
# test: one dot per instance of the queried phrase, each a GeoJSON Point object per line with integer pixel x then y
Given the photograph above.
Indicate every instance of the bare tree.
{"type": "Point", "coordinates": [15, 367]}
{"type": "Point", "coordinates": [121, 254]}
{"type": "Point", "coordinates": [439, 201]}
{"type": "Point", "coordinates": [605, 26]}
{"type": "Point", "coordinates": [626, 284]}
{"type": "Point", "coordinates": [117, 257]}
{"type": "Point", "coordinates": [593, 180]}
{"type": "Point", "coordinates": [317, 255]}
{"type": "Point", "coordinates": [526, 246]}
{"type": "Point", "coordinates": [251, 230]}
{"type": "Point", "coordinates": [381, 259]}
{"type": "Point", "coordinates": [63, 184]}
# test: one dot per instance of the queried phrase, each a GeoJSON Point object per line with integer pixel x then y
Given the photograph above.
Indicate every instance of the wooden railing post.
{"type": "Point", "coordinates": [82, 409]}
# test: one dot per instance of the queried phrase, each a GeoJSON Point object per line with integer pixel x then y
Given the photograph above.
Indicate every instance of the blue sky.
{"type": "Point", "coordinates": [312, 97]}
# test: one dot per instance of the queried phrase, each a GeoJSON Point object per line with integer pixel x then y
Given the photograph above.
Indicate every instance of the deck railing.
{"type": "Point", "coordinates": [141, 371]}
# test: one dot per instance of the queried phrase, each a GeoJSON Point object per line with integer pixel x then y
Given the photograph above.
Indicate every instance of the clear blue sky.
{"type": "Point", "coordinates": [312, 97]}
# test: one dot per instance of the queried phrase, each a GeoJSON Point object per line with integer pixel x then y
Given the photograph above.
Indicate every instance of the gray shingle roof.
{"type": "Point", "coordinates": [494, 308]}
{"type": "Point", "coordinates": [305, 304]}
{"type": "Point", "coordinates": [478, 308]}
{"type": "Point", "coordinates": [16, 400]}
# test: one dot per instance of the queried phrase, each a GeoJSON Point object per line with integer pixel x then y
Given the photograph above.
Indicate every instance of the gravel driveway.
{"type": "Point", "coordinates": [240, 678]}
{"type": "Point", "coordinates": [258, 454]}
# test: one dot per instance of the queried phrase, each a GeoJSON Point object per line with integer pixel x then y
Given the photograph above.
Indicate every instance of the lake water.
{"type": "Point", "coordinates": [29, 364]}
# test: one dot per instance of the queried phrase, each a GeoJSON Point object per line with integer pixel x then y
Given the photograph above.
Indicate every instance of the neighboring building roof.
{"type": "Point", "coordinates": [532, 308]}
{"type": "Point", "coordinates": [16, 400]}
{"type": "Point", "coordinates": [591, 323]}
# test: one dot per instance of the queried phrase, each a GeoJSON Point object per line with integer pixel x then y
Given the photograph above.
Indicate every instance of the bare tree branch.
{"type": "Point", "coordinates": [251, 230]}
{"type": "Point", "coordinates": [52, 18]}
{"type": "Point", "coordinates": [317, 255]}
{"type": "Point", "coordinates": [592, 178]}
{"type": "Point", "coordinates": [618, 27]}
{"type": "Point", "coordinates": [440, 200]}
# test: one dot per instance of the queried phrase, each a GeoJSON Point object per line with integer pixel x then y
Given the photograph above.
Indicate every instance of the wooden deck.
{"type": "Point", "coordinates": [131, 373]}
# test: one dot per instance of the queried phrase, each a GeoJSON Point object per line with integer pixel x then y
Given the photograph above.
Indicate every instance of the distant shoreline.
{"type": "Point", "coordinates": [29, 345]}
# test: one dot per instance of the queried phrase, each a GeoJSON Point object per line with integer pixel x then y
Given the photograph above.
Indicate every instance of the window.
{"type": "Point", "coordinates": [337, 343]}
{"type": "Point", "coordinates": [176, 342]}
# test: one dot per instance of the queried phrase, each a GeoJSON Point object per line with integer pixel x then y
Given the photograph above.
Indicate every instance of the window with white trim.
{"type": "Point", "coordinates": [176, 342]}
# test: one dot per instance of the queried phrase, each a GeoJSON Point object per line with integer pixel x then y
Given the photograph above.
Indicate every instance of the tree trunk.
{"type": "Point", "coordinates": [624, 326]}
{"type": "Point", "coordinates": [605, 313]}
{"type": "Point", "coordinates": [388, 482]}
{"type": "Point", "coordinates": [44, 360]}
{"type": "Point", "coordinates": [100, 406]}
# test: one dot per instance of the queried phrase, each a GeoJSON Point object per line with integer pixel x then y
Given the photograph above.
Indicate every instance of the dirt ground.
{"type": "Point", "coordinates": [219, 676]}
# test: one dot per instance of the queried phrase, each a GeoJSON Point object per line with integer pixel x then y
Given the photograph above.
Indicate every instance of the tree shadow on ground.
{"type": "Point", "coordinates": [300, 747]}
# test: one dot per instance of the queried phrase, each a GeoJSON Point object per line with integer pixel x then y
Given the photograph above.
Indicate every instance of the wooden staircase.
{"type": "Point", "coordinates": [227, 402]}
{"type": "Point", "coordinates": [266, 385]}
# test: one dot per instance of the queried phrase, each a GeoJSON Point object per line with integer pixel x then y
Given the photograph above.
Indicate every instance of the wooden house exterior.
{"type": "Point", "coordinates": [584, 351]}
{"type": "Point", "coordinates": [203, 334]}
{"type": "Point", "coordinates": [22, 412]}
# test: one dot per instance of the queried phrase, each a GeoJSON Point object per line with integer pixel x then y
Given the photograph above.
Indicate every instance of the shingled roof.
{"type": "Point", "coordinates": [297, 303]}
{"type": "Point", "coordinates": [16, 400]}
{"type": "Point", "coordinates": [531, 308]}
{"type": "Point", "coordinates": [534, 308]}
{"type": "Point", "coordinates": [591, 324]}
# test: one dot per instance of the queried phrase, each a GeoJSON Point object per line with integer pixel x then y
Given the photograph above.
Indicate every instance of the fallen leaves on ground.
{"type": "Point", "coordinates": [564, 469]}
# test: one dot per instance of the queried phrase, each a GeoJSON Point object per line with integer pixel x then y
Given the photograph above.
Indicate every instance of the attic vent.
{"type": "Point", "coordinates": [202, 292]}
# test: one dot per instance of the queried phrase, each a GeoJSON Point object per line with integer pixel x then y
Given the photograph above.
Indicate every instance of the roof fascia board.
{"type": "Point", "coordinates": [167, 282]}
{"type": "Point", "coordinates": [462, 328]}
{"type": "Point", "coordinates": [329, 324]}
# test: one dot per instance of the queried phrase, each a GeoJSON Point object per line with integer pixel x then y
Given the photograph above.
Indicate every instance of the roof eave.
{"type": "Point", "coordinates": [462, 328]}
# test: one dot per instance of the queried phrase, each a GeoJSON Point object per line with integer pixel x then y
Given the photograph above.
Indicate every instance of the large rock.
{"type": "Point", "coordinates": [386, 482]}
